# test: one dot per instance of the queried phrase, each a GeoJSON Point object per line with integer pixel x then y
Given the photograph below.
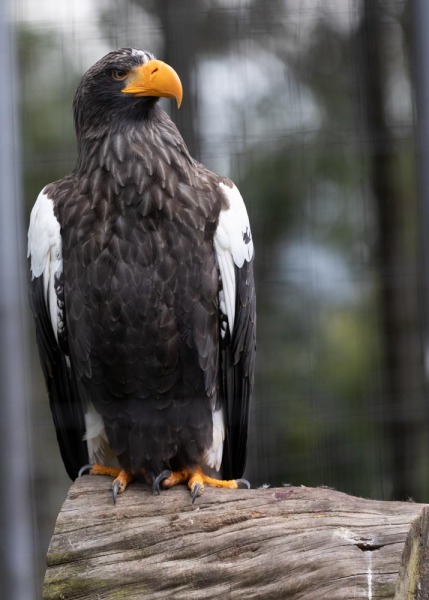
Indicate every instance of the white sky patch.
{"type": "Point", "coordinates": [399, 99]}
{"type": "Point", "coordinates": [343, 14]}
{"type": "Point", "coordinates": [75, 21]}
{"type": "Point", "coordinates": [233, 3]}
{"type": "Point", "coordinates": [249, 100]}
{"type": "Point", "coordinates": [310, 265]}
{"type": "Point", "coordinates": [60, 12]}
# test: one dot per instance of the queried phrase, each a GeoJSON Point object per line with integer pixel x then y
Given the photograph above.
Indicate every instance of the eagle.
{"type": "Point", "coordinates": [142, 290]}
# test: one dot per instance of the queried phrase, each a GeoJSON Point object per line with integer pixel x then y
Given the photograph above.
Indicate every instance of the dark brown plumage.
{"type": "Point", "coordinates": [130, 327]}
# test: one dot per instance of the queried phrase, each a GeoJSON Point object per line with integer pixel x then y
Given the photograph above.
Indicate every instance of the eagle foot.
{"type": "Point", "coordinates": [243, 482]}
{"type": "Point", "coordinates": [122, 477]}
{"type": "Point", "coordinates": [196, 479]}
{"type": "Point", "coordinates": [196, 491]}
{"type": "Point", "coordinates": [120, 483]}
{"type": "Point", "coordinates": [161, 477]}
{"type": "Point", "coordinates": [83, 470]}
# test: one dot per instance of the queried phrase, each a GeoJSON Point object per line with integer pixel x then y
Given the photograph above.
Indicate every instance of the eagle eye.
{"type": "Point", "coordinates": [119, 74]}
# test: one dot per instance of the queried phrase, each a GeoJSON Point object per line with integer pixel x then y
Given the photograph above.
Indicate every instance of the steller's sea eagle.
{"type": "Point", "coordinates": [141, 286]}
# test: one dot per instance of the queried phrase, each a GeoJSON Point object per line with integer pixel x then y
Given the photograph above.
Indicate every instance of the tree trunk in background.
{"type": "Point", "coordinates": [179, 22]}
{"type": "Point", "coordinates": [402, 402]}
{"type": "Point", "coordinates": [420, 45]}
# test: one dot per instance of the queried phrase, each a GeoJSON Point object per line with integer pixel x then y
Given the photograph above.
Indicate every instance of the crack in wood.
{"type": "Point", "coordinates": [369, 546]}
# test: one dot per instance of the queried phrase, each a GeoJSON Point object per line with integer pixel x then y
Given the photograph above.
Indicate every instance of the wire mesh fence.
{"type": "Point", "coordinates": [309, 106]}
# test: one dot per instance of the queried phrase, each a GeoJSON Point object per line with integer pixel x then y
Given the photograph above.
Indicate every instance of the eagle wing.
{"type": "Point", "coordinates": [47, 305]}
{"type": "Point", "coordinates": [237, 302]}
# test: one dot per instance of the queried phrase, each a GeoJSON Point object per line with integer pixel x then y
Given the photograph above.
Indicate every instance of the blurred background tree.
{"type": "Point", "coordinates": [308, 106]}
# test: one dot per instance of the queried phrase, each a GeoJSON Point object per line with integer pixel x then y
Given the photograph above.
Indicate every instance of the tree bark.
{"type": "Point", "coordinates": [290, 542]}
{"type": "Point", "coordinates": [413, 581]}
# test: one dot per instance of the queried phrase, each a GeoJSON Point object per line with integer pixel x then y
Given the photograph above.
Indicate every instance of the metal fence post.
{"type": "Point", "coordinates": [16, 539]}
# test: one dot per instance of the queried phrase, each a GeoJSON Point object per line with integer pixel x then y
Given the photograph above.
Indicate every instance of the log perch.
{"type": "Point", "coordinates": [289, 542]}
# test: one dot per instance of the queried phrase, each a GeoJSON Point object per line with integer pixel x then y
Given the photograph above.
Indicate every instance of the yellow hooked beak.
{"type": "Point", "coordinates": [154, 78]}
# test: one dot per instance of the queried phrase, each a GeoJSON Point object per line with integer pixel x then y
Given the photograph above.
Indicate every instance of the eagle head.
{"type": "Point", "coordinates": [125, 83]}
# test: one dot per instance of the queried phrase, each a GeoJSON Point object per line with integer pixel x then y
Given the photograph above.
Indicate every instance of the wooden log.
{"type": "Point", "coordinates": [289, 542]}
{"type": "Point", "coordinates": [413, 581]}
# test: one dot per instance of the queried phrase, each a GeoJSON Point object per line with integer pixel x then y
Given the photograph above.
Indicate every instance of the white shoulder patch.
{"type": "Point", "coordinates": [233, 231]}
{"type": "Point", "coordinates": [45, 251]}
{"type": "Point", "coordinates": [233, 245]}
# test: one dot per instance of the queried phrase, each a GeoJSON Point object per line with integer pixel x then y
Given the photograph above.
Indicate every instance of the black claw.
{"type": "Point", "coordinates": [115, 489]}
{"type": "Point", "coordinates": [155, 486]}
{"type": "Point", "coordinates": [196, 492]}
{"type": "Point", "coordinates": [83, 470]}
{"type": "Point", "coordinates": [244, 482]}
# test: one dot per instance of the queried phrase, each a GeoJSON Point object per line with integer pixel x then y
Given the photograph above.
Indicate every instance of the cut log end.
{"type": "Point", "coordinates": [290, 542]}
{"type": "Point", "coordinates": [413, 580]}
